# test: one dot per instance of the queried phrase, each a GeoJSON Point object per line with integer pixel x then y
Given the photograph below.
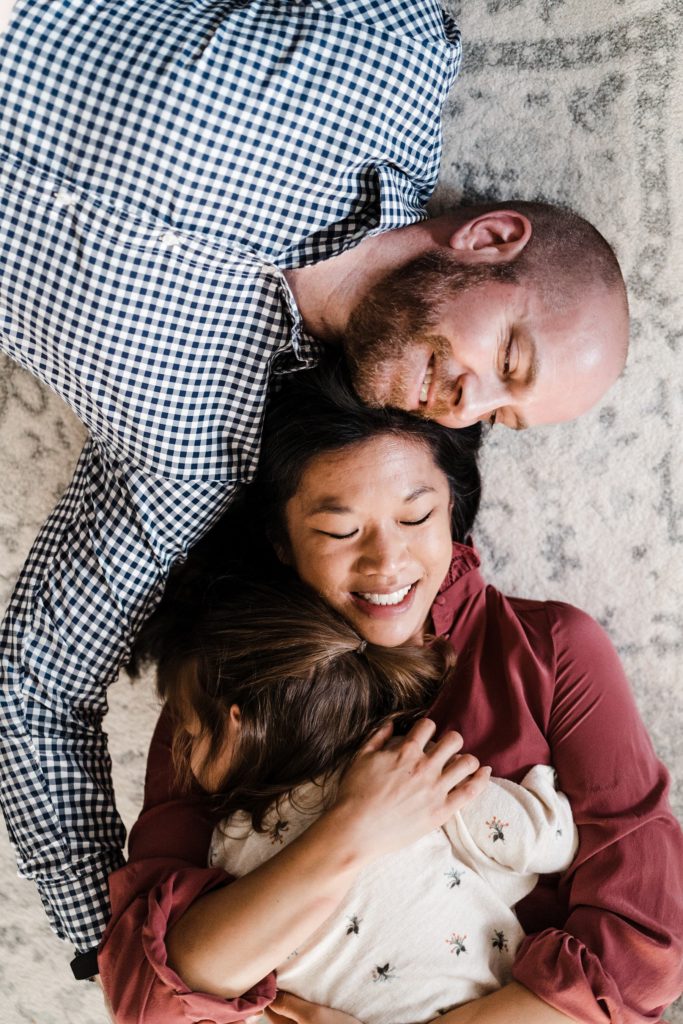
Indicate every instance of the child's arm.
{"type": "Point", "coordinates": [389, 797]}
{"type": "Point", "coordinates": [518, 830]}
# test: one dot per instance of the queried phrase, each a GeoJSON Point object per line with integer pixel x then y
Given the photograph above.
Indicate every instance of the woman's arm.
{"type": "Point", "coordinates": [619, 953]}
{"type": "Point", "coordinates": [390, 796]}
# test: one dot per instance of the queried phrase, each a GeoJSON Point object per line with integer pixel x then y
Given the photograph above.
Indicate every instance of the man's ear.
{"type": "Point", "coordinates": [496, 236]}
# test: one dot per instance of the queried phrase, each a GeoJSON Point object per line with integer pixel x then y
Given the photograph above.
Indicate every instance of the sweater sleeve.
{"type": "Point", "coordinates": [620, 951]}
{"type": "Point", "coordinates": [526, 827]}
{"type": "Point", "coordinates": [165, 874]}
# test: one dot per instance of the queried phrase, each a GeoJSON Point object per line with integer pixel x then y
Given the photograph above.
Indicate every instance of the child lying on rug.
{"type": "Point", "coordinates": [422, 928]}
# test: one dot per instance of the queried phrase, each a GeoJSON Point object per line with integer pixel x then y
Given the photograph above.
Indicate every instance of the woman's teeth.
{"type": "Point", "coordinates": [424, 393]}
{"type": "Point", "coordinates": [395, 598]}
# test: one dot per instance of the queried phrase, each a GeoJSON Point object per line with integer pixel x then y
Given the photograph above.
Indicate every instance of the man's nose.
{"type": "Point", "coordinates": [476, 399]}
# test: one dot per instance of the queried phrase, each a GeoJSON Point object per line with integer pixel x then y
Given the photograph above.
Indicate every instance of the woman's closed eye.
{"type": "Point", "coordinates": [338, 536]}
{"type": "Point", "coordinates": [352, 533]}
{"type": "Point", "coordinates": [417, 522]}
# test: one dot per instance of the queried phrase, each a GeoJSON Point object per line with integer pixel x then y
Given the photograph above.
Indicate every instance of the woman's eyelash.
{"type": "Point", "coordinates": [417, 522]}
{"type": "Point", "coordinates": [347, 536]}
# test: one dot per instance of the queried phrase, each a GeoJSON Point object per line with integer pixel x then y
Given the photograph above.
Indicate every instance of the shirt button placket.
{"type": "Point", "coordinates": [64, 199]}
{"type": "Point", "coordinates": [170, 240]}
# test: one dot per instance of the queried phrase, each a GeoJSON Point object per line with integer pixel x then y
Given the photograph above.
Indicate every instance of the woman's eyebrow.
{"type": "Point", "coordinates": [329, 504]}
{"type": "Point", "coordinates": [419, 491]}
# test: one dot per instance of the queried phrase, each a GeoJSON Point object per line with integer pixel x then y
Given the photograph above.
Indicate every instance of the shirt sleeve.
{"type": "Point", "coordinates": [166, 873]}
{"type": "Point", "coordinates": [620, 952]}
{"type": "Point", "coordinates": [526, 827]}
{"type": "Point", "coordinates": [95, 571]}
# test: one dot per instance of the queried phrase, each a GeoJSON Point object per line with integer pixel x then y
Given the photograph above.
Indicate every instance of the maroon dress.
{"type": "Point", "coordinates": [537, 682]}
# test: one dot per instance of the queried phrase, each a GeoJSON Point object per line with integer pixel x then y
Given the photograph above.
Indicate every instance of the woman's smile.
{"type": "Point", "coordinates": [384, 605]}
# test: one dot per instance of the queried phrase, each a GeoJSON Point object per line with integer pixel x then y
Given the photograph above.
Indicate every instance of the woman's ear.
{"type": "Point", "coordinates": [280, 547]}
{"type": "Point", "coordinates": [497, 236]}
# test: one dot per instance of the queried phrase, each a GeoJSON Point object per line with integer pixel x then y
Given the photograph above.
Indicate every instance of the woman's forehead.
{"type": "Point", "coordinates": [402, 466]}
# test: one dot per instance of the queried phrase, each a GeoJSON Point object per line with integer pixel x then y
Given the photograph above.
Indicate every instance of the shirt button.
{"type": "Point", "coordinates": [441, 600]}
{"type": "Point", "coordinates": [64, 198]}
{"type": "Point", "coordinates": [170, 240]}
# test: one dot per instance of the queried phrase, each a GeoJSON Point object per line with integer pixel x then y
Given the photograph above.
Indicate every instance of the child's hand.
{"type": "Point", "coordinates": [395, 791]}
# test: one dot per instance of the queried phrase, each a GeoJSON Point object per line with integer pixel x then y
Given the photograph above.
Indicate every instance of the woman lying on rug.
{"type": "Point", "coordinates": [301, 694]}
{"type": "Point", "coordinates": [362, 505]}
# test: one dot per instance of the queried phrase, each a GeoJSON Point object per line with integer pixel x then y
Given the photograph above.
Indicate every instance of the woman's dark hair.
{"type": "Point", "coordinates": [311, 413]}
{"type": "Point", "coordinates": [309, 690]}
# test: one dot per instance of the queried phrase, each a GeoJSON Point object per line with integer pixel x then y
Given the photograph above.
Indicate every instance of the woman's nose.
{"type": "Point", "coordinates": [383, 554]}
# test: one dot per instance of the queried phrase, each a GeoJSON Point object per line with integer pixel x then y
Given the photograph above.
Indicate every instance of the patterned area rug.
{"type": "Point", "coordinates": [557, 100]}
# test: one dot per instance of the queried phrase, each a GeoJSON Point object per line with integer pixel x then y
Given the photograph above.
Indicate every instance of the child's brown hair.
{"type": "Point", "coordinates": [309, 689]}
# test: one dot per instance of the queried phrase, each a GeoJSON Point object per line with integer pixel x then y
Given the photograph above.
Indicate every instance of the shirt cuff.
{"type": "Point", "coordinates": [77, 904]}
{"type": "Point", "coordinates": [559, 969]}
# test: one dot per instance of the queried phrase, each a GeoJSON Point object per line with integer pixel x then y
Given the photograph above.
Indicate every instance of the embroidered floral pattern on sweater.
{"type": "Point", "coordinates": [457, 943]}
{"type": "Point", "coordinates": [384, 973]}
{"type": "Point", "coordinates": [454, 877]}
{"type": "Point", "coordinates": [499, 942]}
{"type": "Point", "coordinates": [497, 828]}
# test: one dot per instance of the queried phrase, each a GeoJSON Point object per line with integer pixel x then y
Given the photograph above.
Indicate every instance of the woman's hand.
{"type": "Point", "coordinates": [397, 790]}
{"type": "Point", "coordinates": [287, 1007]}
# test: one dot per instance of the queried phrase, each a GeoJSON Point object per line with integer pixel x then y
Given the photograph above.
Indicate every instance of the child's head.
{"type": "Point", "coordinates": [270, 688]}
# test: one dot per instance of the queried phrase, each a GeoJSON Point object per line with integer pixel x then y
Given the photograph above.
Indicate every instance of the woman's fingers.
{"type": "Point", "coordinates": [459, 768]}
{"type": "Point", "coordinates": [446, 746]}
{"type": "Point", "coordinates": [421, 733]}
{"type": "Point", "coordinates": [467, 790]}
{"type": "Point", "coordinates": [378, 739]}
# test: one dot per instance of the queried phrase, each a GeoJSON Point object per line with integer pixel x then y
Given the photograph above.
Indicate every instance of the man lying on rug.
{"type": "Point", "coordinates": [194, 198]}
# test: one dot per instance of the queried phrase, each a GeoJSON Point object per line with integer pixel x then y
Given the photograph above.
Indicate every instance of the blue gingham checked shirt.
{"type": "Point", "coordinates": [161, 162]}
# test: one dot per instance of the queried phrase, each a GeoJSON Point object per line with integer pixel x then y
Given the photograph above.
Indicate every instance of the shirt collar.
{"type": "Point", "coordinates": [463, 579]}
{"type": "Point", "coordinates": [302, 346]}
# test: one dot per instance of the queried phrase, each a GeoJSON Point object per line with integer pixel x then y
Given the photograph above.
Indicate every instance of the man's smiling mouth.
{"type": "Point", "coordinates": [427, 381]}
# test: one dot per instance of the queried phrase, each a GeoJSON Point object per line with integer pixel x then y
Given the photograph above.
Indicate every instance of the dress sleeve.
{"type": "Point", "coordinates": [95, 571]}
{"type": "Point", "coordinates": [147, 898]}
{"type": "Point", "coordinates": [165, 874]}
{"type": "Point", "coordinates": [619, 955]}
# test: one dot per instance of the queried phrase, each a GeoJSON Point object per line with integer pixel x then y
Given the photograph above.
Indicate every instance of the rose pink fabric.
{"type": "Point", "coordinates": [536, 682]}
